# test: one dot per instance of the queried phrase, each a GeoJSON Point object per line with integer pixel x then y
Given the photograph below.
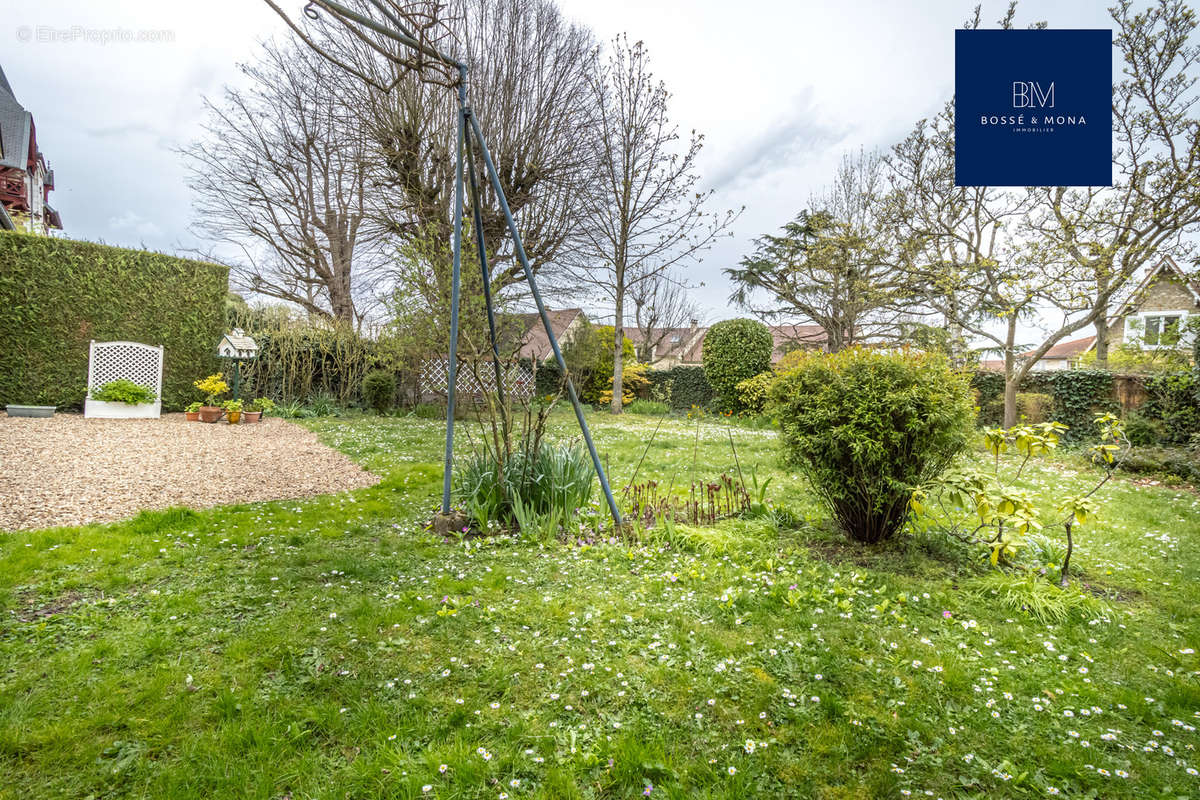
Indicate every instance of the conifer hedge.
{"type": "Point", "coordinates": [56, 295]}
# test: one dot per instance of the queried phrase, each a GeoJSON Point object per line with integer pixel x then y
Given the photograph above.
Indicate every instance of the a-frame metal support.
{"type": "Point", "coordinates": [468, 131]}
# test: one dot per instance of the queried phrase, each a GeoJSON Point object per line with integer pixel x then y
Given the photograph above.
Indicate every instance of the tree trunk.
{"type": "Point", "coordinates": [1011, 377]}
{"type": "Point", "coordinates": [1102, 322]}
{"type": "Point", "coordinates": [1010, 400]}
{"type": "Point", "coordinates": [618, 339]}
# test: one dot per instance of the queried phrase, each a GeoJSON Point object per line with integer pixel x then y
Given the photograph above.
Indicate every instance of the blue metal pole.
{"type": "Point", "coordinates": [537, 299]}
{"type": "Point", "coordinates": [451, 389]}
{"type": "Point", "coordinates": [477, 215]}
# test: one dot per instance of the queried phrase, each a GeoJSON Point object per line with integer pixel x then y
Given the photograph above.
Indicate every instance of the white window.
{"type": "Point", "coordinates": [676, 339]}
{"type": "Point", "coordinates": [1162, 329]}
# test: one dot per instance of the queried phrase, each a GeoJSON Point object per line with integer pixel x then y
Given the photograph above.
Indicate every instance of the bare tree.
{"type": "Point", "coordinates": [1110, 234]}
{"type": "Point", "coordinates": [661, 307]}
{"type": "Point", "coordinates": [281, 177]}
{"type": "Point", "coordinates": [529, 72]}
{"type": "Point", "coordinates": [642, 216]}
{"type": "Point", "coordinates": [833, 265]}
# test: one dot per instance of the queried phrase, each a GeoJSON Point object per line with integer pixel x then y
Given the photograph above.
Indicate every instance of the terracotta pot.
{"type": "Point", "coordinates": [233, 416]}
{"type": "Point", "coordinates": [252, 416]}
{"type": "Point", "coordinates": [210, 413]}
{"type": "Point", "coordinates": [192, 416]}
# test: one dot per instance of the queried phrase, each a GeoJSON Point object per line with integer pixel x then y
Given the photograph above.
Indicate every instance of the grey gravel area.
{"type": "Point", "coordinates": [67, 470]}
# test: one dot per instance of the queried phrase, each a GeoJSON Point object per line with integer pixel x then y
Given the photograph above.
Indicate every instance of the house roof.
{"type": "Point", "coordinates": [535, 344]}
{"type": "Point", "coordinates": [1071, 349]}
{"type": "Point", "coordinates": [791, 337]}
{"type": "Point", "coordinates": [15, 126]}
{"type": "Point", "coordinates": [1167, 264]}
{"type": "Point", "coordinates": [674, 343]}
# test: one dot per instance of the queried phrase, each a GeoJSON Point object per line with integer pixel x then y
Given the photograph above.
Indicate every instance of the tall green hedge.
{"type": "Point", "coordinates": [734, 350]}
{"type": "Point", "coordinates": [57, 294]}
{"type": "Point", "coordinates": [689, 385]}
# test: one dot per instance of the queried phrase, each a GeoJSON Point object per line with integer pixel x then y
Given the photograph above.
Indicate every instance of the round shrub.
{"type": "Point", "coordinates": [867, 427]}
{"type": "Point", "coordinates": [734, 350]}
{"type": "Point", "coordinates": [379, 389]}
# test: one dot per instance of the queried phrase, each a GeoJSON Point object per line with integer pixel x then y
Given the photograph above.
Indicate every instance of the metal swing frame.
{"type": "Point", "coordinates": [468, 132]}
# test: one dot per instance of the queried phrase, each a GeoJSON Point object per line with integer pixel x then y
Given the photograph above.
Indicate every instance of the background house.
{"type": "Point", "coordinates": [25, 180]}
{"type": "Point", "coordinates": [1155, 313]}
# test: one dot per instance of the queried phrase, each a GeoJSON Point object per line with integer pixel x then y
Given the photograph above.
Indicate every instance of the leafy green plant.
{"type": "Point", "coordinates": [546, 481]}
{"type": "Point", "coordinates": [263, 404]}
{"type": "Point", "coordinates": [379, 389]}
{"type": "Point", "coordinates": [293, 409]}
{"type": "Point", "coordinates": [1025, 593]}
{"type": "Point", "coordinates": [753, 392]}
{"type": "Point", "coordinates": [984, 507]}
{"type": "Point", "coordinates": [323, 404]}
{"type": "Point", "coordinates": [233, 406]}
{"type": "Point", "coordinates": [866, 427]}
{"type": "Point", "coordinates": [650, 408]}
{"type": "Point", "coordinates": [192, 408]}
{"type": "Point", "coordinates": [734, 350]}
{"type": "Point", "coordinates": [123, 390]}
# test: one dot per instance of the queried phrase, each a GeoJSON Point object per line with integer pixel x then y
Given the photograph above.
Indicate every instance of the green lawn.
{"type": "Point", "coordinates": [332, 648]}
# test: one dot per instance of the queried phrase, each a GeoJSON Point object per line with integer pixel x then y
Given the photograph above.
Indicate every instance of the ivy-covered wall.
{"type": "Point", "coordinates": [1078, 395]}
{"type": "Point", "coordinates": [56, 295]}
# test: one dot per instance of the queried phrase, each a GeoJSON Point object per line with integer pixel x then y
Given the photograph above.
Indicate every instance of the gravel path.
{"type": "Point", "coordinates": [67, 470]}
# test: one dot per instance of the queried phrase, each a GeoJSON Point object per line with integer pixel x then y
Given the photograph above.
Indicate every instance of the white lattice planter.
{"type": "Point", "coordinates": [110, 361]}
{"type": "Point", "coordinates": [101, 409]}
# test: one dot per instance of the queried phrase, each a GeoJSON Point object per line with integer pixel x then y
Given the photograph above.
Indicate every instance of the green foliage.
{"type": "Point", "coordinates": [124, 391]}
{"type": "Point", "coordinates": [233, 406]}
{"type": "Point", "coordinates": [989, 508]}
{"type": "Point", "coordinates": [537, 490]}
{"type": "Point", "coordinates": [867, 427]}
{"type": "Point", "coordinates": [1025, 593]}
{"type": "Point", "coordinates": [734, 350]}
{"type": "Point", "coordinates": [322, 404]}
{"type": "Point", "coordinates": [263, 404]}
{"type": "Point", "coordinates": [56, 295]}
{"type": "Point", "coordinates": [650, 408]}
{"type": "Point", "coordinates": [681, 387]}
{"type": "Point", "coordinates": [753, 392]}
{"type": "Point", "coordinates": [1077, 395]}
{"type": "Point", "coordinates": [548, 380]}
{"type": "Point", "coordinates": [589, 357]}
{"type": "Point", "coordinates": [1142, 430]}
{"type": "Point", "coordinates": [379, 389]}
{"type": "Point", "coordinates": [1183, 463]}
{"type": "Point", "coordinates": [1174, 399]}
{"type": "Point", "coordinates": [192, 408]}
{"type": "Point", "coordinates": [300, 357]}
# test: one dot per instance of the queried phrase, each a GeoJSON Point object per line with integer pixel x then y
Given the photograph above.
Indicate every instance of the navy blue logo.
{"type": "Point", "coordinates": [1033, 108]}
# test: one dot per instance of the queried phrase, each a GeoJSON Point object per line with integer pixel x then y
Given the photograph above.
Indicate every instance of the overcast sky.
{"type": "Point", "coordinates": [780, 90]}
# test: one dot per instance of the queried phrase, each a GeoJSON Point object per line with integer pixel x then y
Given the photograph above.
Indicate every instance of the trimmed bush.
{"type": "Point", "coordinates": [867, 427]}
{"type": "Point", "coordinates": [753, 392]}
{"type": "Point", "coordinates": [548, 379]}
{"type": "Point", "coordinates": [688, 386]}
{"type": "Point", "coordinates": [734, 350]}
{"type": "Point", "coordinates": [379, 389]}
{"type": "Point", "coordinates": [57, 294]}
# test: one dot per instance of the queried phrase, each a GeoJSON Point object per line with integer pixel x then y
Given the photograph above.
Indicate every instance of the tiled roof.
{"type": "Point", "coordinates": [15, 124]}
{"type": "Point", "coordinates": [535, 343]}
{"type": "Point", "coordinates": [1075, 347]}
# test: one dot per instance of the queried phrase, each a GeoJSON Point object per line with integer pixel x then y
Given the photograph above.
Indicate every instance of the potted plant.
{"type": "Point", "coordinates": [213, 387]}
{"type": "Point", "coordinates": [192, 412]}
{"type": "Point", "coordinates": [119, 399]}
{"type": "Point", "coordinates": [257, 407]}
{"type": "Point", "coordinates": [233, 410]}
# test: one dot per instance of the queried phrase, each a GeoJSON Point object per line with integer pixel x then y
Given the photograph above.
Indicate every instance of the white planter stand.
{"type": "Point", "coordinates": [110, 361]}
{"type": "Point", "coordinates": [100, 409]}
